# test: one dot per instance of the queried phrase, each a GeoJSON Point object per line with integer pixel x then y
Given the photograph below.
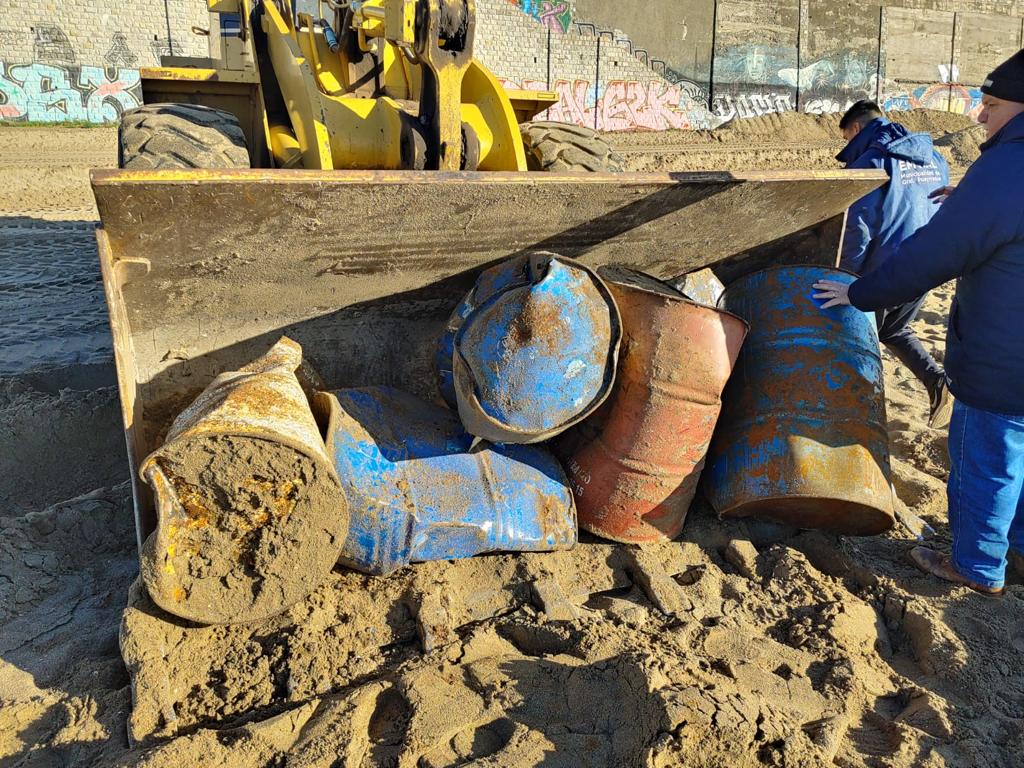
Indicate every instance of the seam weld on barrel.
{"type": "Point", "coordinates": [802, 438]}
{"type": "Point", "coordinates": [417, 490]}
{"type": "Point", "coordinates": [635, 479]}
{"type": "Point", "coordinates": [251, 517]}
{"type": "Point", "coordinates": [531, 350]}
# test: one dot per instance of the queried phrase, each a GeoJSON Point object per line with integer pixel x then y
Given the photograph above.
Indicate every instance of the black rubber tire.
{"type": "Point", "coordinates": [180, 136]}
{"type": "Point", "coordinates": [567, 147]}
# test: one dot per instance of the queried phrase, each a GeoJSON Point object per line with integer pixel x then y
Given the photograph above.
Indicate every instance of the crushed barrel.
{"type": "Point", "coordinates": [251, 516]}
{"type": "Point", "coordinates": [802, 438]}
{"type": "Point", "coordinates": [531, 351]}
{"type": "Point", "coordinates": [635, 479]}
{"type": "Point", "coordinates": [418, 488]}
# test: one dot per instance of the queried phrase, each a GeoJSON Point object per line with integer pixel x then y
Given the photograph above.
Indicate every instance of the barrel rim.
{"type": "Point", "coordinates": [670, 292]}
{"type": "Point", "coordinates": [480, 423]}
{"type": "Point", "coordinates": [755, 508]}
{"type": "Point", "coordinates": [820, 268]}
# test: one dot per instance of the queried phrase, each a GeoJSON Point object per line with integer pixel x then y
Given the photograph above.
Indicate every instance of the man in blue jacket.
{"type": "Point", "coordinates": [877, 224]}
{"type": "Point", "coordinates": [977, 238]}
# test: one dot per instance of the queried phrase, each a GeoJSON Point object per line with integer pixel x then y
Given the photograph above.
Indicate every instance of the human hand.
{"type": "Point", "coordinates": [938, 196]}
{"type": "Point", "coordinates": [837, 294]}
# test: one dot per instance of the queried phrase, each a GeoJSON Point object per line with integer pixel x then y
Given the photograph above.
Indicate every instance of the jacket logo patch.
{"type": "Point", "coordinates": [912, 173]}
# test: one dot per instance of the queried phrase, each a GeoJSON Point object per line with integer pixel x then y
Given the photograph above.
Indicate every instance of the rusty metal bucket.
{"type": "Point", "coordinates": [802, 438]}
{"type": "Point", "coordinates": [419, 490]}
{"type": "Point", "coordinates": [251, 516]}
{"type": "Point", "coordinates": [635, 480]}
{"type": "Point", "coordinates": [534, 349]}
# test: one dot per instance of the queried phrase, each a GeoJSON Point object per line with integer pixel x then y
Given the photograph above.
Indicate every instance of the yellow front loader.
{"type": "Point", "coordinates": [380, 84]}
{"type": "Point", "coordinates": [342, 177]}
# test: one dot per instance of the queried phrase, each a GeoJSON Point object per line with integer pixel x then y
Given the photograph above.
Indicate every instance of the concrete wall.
{"type": "Point", "coordinates": [742, 58]}
{"type": "Point", "coordinates": [64, 60]}
{"type": "Point", "coordinates": [677, 33]}
{"type": "Point", "coordinates": [615, 65]}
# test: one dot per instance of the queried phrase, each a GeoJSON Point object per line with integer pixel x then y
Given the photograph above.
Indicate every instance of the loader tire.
{"type": "Point", "coordinates": [156, 136]}
{"type": "Point", "coordinates": [567, 147]}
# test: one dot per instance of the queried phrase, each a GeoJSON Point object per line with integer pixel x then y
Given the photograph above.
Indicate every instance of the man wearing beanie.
{"type": "Point", "coordinates": [878, 223]}
{"type": "Point", "coordinates": [977, 238]}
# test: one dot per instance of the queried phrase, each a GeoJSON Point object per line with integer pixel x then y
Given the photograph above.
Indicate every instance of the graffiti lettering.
{"type": "Point", "coordinates": [728, 107]}
{"type": "Point", "coordinates": [825, 106]}
{"type": "Point", "coordinates": [555, 15]}
{"type": "Point", "coordinates": [653, 106]}
{"type": "Point", "coordinates": [45, 92]}
{"type": "Point", "coordinates": [120, 54]}
{"type": "Point", "coordinates": [51, 43]}
{"type": "Point", "coordinates": [625, 105]}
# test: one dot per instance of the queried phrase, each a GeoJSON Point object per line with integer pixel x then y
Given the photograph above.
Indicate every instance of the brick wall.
{"type": "Point", "coordinates": [110, 33]}
{"type": "Point", "coordinates": [66, 60]}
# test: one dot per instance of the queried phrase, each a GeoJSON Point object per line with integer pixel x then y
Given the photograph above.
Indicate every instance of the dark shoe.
{"type": "Point", "coordinates": [937, 564]}
{"type": "Point", "coordinates": [941, 406]}
{"type": "Point", "coordinates": [1016, 560]}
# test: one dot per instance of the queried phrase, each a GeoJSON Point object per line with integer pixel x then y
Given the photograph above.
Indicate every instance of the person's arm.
{"type": "Point", "coordinates": [966, 230]}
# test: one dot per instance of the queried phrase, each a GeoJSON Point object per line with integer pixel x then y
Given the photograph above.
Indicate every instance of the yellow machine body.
{"type": "Point", "coordinates": [304, 103]}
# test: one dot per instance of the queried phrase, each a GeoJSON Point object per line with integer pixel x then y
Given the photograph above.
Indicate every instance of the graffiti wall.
{"type": "Point", "coordinates": [756, 80]}
{"type": "Point", "coordinates": [70, 61]}
{"type": "Point", "coordinates": [947, 97]}
{"type": "Point", "coordinates": [624, 105]}
{"type": "Point", "coordinates": [556, 15]}
{"type": "Point", "coordinates": [65, 92]}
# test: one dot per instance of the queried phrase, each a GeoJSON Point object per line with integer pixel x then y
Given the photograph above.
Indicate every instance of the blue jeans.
{"type": "Point", "coordinates": [986, 491]}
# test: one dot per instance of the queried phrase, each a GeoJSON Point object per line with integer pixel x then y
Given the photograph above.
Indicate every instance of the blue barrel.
{"type": "Point", "coordinates": [490, 283]}
{"type": "Point", "coordinates": [802, 438]}
{"type": "Point", "coordinates": [531, 350]}
{"type": "Point", "coordinates": [418, 490]}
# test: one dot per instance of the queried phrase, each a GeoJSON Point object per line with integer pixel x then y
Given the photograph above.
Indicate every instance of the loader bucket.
{"type": "Point", "coordinates": [206, 270]}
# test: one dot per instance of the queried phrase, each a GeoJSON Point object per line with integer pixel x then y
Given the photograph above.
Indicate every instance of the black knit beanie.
{"type": "Point", "coordinates": [1007, 80]}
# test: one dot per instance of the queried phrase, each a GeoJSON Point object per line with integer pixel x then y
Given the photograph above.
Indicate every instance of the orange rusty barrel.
{"type": "Point", "coordinates": [802, 438]}
{"type": "Point", "coordinates": [635, 479]}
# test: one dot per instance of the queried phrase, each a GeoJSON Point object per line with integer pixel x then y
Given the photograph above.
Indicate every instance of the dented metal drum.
{"type": "Point", "coordinates": [250, 512]}
{"type": "Point", "coordinates": [417, 491]}
{"type": "Point", "coordinates": [531, 351]}
{"type": "Point", "coordinates": [802, 438]}
{"type": "Point", "coordinates": [635, 480]}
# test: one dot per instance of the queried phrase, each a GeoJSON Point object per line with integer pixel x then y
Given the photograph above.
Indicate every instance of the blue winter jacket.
{"type": "Point", "coordinates": [977, 236]}
{"type": "Point", "coordinates": [880, 221]}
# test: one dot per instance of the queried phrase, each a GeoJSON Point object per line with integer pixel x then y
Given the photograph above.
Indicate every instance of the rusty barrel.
{"type": "Point", "coordinates": [802, 438]}
{"type": "Point", "coordinates": [531, 351]}
{"type": "Point", "coordinates": [634, 481]}
{"type": "Point", "coordinates": [419, 489]}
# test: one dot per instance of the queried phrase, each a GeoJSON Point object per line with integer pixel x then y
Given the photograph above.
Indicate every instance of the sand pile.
{"type": "Point", "coordinates": [962, 147]}
{"type": "Point", "coordinates": [773, 142]}
{"type": "Point", "coordinates": [742, 644]}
